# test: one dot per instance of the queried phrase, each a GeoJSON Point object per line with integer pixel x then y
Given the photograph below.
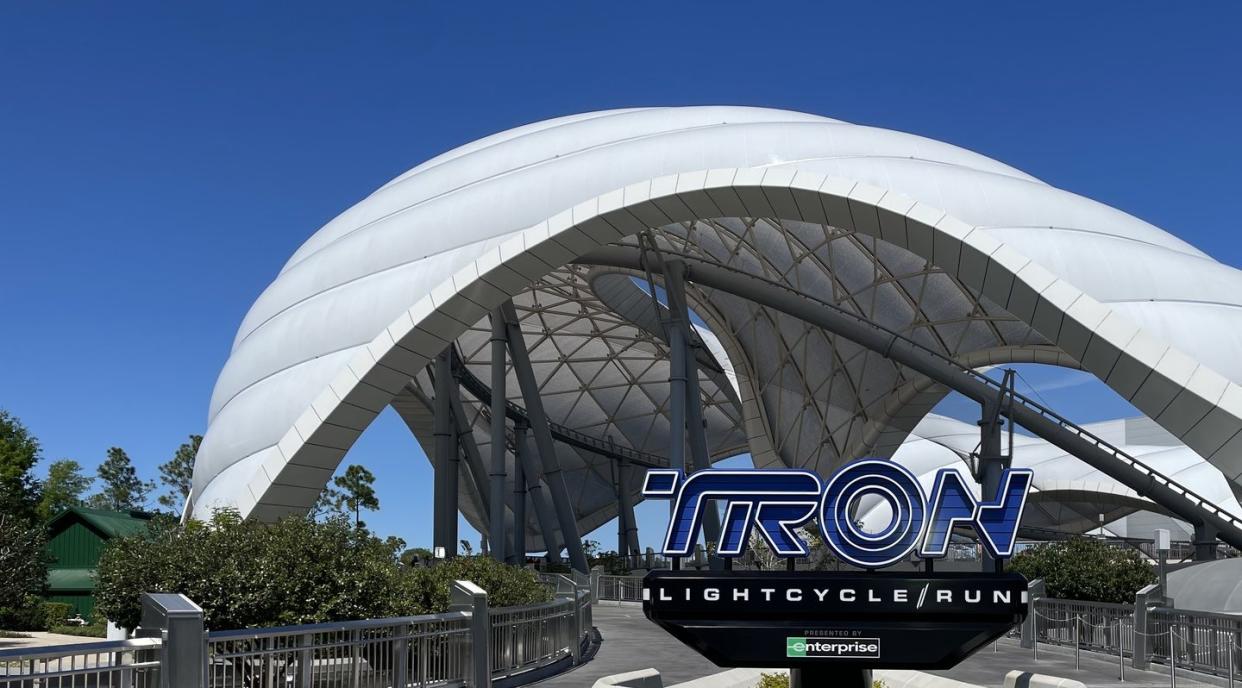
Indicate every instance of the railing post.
{"type": "Point", "coordinates": [1121, 651]}
{"type": "Point", "coordinates": [1035, 590]}
{"type": "Point", "coordinates": [401, 660]}
{"type": "Point", "coordinates": [1077, 643]}
{"type": "Point", "coordinates": [470, 598]}
{"type": "Point", "coordinates": [1142, 626]}
{"type": "Point", "coordinates": [1172, 660]}
{"type": "Point", "coordinates": [183, 654]}
{"type": "Point", "coordinates": [596, 572]}
{"type": "Point", "coordinates": [576, 647]}
{"type": "Point", "coordinates": [306, 659]}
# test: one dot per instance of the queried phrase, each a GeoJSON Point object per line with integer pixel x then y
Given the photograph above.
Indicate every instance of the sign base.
{"type": "Point", "coordinates": [823, 621]}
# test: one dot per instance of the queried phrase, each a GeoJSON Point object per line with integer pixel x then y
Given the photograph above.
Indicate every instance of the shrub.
{"type": "Point", "coordinates": [295, 571]}
{"type": "Point", "coordinates": [782, 681]}
{"type": "Point", "coordinates": [1085, 569]}
{"type": "Point", "coordinates": [28, 616]}
{"type": "Point", "coordinates": [55, 613]}
{"type": "Point", "coordinates": [92, 631]}
{"type": "Point", "coordinates": [506, 586]}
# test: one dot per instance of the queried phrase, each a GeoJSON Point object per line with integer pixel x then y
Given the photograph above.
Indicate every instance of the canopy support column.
{"type": "Point", "coordinates": [1205, 542]}
{"type": "Point", "coordinates": [543, 440]}
{"type": "Point", "coordinates": [627, 527]}
{"type": "Point", "coordinates": [444, 507]}
{"type": "Point", "coordinates": [544, 513]}
{"type": "Point", "coordinates": [497, 474]}
{"type": "Point", "coordinates": [992, 457]}
{"type": "Point", "coordinates": [517, 553]}
{"type": "Point", "coordinates": [675, 286]}
{"type": "Point", "coordinates": [466, 444]}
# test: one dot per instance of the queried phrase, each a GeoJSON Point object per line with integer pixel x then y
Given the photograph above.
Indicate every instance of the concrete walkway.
{"type": "Point", "coordinates": [988, 668]}
{"type": "Point", "coordinates": [630, 642]}
{"type": "Point", "coordinates": [38, 639]}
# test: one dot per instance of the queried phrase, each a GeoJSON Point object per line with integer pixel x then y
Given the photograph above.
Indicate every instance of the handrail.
{"type": "Point", "coordinates": [331, 626]}
{"type": "Point", "coordinates": [55, 651]}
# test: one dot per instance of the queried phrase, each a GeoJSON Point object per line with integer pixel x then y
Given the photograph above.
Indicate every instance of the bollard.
{"type": "Point", "coordinates": [1231, 663]}
{"type": "Point", "coordinates": [183, 656]}
{"type": "Point", "coordinates": [1172, 660]}
{"type": "Point", "coordinates": [1077, 644]}
{"type": "Point", "coordinates": [1121, 651]}
{"type": "Point", "coordinates": [468, 597]}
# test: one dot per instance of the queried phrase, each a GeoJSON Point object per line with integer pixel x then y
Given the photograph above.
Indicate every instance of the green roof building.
{"type": "Point", "coordinates": [75, 539]}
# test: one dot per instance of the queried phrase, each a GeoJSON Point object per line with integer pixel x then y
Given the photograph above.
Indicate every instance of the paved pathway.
{"type": "Point", "coordinates": [631, 642]}
{"type": "Point", "coordinates": [988, 668]}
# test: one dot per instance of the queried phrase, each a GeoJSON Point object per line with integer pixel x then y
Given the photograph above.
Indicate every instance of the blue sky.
{"type": "Point", "coordinates": [160, 161]}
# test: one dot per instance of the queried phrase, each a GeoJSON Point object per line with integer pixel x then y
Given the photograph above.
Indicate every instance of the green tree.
{"type": "Point", "coordinates": [357, 491]}
{"type": "Point", "coordinates": [19, 452]}
{"type": "Point", "coordinates": [1085, 569]}
{"type": "Point", "coordinates": [24, 563]}
{"type": "Point", "coordinates": [63, 488]}
{"type": "Point", "coordinates": [178, 473]}
{"type": "Point", "coordinates": [122, 489]}
{"type": "Point", "coordinates": [328, 506]}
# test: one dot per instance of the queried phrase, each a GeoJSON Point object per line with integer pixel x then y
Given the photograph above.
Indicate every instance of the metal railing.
{"type": "Point", "coordinates": [418, 650]}
{"type": "Point", "coordinates": [468, 646]}
{"type": "Point", "coordinates": [1196, 641]}
{"type": "Point", "coordinates": [525, 638]}
{"type": "Point", "coordinates": [118, 663]}
{"type": "Point", "coordinates": [619, 588]}
{"type": "Point", "coordinates": [1094, 626]}
{"type": "Point", "coordinates": [1180, 639]}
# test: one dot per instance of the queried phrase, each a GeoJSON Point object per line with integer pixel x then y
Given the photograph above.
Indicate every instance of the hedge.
{"type": "Point", "coordinates": [246, 574]}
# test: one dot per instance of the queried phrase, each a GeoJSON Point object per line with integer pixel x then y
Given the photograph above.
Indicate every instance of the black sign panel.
{"type": "Point", "coordinates": [770, 619]}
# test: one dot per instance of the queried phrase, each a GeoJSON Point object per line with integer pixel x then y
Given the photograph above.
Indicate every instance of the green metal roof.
{"type": "Point", "coordinates": [109, 523]}
{"type": "Point", "coordinates": [70, 579]}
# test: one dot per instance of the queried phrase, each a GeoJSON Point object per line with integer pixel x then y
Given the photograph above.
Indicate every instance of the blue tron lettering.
{"type": "Point", "coordinates": [779, 501]}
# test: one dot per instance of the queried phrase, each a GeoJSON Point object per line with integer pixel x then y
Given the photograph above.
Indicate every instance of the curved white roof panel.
{"type": "Point", "coordinates": [960, 252]}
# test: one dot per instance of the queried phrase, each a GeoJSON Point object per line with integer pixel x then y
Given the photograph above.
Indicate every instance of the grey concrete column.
{"type": "Point", "coordinates": [444, 502]}
{"type": "Point", "coordinates": [179, 621]}
{"type": "Point", "coordinates": [543, 440]}
{"type": "Point", "coordinates": [465, 596]}
{"type": "Point", "coordinates": [518, 548]}
{"type": "Point", "coordinates": [544, 513]}
{"type": "Point", "coordinates": [1035, 591]}
{"type": "Point", "coordinates": [497, 475]}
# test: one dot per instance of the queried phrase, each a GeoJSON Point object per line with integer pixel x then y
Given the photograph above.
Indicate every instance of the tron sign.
{"type": "Point", "coordinates": [779, 501]}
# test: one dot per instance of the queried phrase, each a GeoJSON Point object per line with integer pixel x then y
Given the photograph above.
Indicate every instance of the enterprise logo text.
{"type": "Point", "coordinates": [867, 648]}
{"type": "Point", "coordinates": [778, 501]}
